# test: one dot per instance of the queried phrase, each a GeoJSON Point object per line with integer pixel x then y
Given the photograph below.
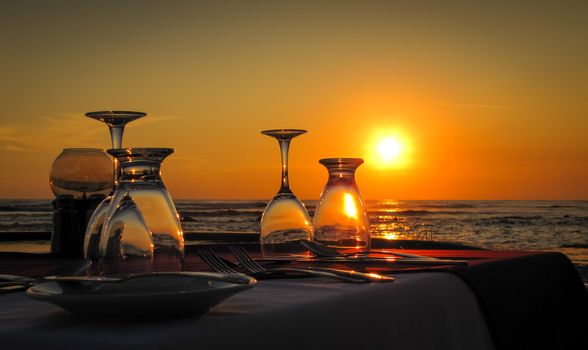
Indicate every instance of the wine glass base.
{"type": "Point", "coordinates": [115, 118]}
{"type": "Point", "coordinates": [284, 134]}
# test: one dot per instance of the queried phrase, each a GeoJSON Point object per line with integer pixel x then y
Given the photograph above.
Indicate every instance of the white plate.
{"type": "Point", "coordinates": [147, 296]}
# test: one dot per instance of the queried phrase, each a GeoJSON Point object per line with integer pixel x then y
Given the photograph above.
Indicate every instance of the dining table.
{"type": "Point", "coordinates": [495, 300]}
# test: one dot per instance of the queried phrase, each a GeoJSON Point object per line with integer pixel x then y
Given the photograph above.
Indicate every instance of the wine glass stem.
{"type": "Point", "coordinates": [285, 185]}
{"type": "Point", "coordinates": [116, 134]}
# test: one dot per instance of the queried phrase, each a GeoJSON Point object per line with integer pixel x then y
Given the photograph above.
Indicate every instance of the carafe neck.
{"type": "Point", "coordinates": [140, 170]}
{"type": "Point", "coordinates": [140, 165]}
{"type": "Point", "coordinates": [341, 169]}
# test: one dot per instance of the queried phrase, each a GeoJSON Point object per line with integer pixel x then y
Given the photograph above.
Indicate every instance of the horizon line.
{"type": "Point", "coordinates": [306, 199]}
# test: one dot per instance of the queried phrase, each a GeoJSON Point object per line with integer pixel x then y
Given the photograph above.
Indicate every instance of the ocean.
{"type": "Point", "coordinates": [526, 225]}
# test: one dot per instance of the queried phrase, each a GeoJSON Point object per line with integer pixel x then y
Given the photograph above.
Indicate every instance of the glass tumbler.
{"type": "Point", "coordinates": [340, 219]}
{"type": "Point", "coordinates": [141, 195]}
{"type": "Point", "coordinates": [81, 172]}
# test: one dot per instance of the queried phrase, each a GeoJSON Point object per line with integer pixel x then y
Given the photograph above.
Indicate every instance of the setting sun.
{"type": "Point", "coordinates": [389, 149]}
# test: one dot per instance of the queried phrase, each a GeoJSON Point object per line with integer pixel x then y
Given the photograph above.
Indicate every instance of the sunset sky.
{"type": "Point", "coordinates": [443, 99]}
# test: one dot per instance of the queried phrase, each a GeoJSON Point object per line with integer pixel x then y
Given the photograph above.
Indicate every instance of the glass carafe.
{"type": "Point", "coordinates": [340, 219]}
{"type": "Point", "coordinates": [79, 178]}
{"type": "Point", "coordinates": [140, 181]}
{"type": "Point", "coordinates": [81, 172]}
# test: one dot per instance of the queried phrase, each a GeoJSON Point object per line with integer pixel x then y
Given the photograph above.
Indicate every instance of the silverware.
{"type": "Point", "coordinates": [220, 265]}
{"type": "Point", "coordinates": [392, 261]}
{"type": "Point", "coordinates": [14, 283]}
{"type": "Point", "coordinates": [324, 253]}
{"type": "Point", "coordinates": [254, 267]}
{"type": "Point", "coordinates": [16, 278]}
{"type": "Point", "coordinates": [9, 287]}
{"type": "Point", "coordinates": [321, 250]}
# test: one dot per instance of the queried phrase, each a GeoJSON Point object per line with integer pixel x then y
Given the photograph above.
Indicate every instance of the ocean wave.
{"type": "Point", "coordinates": [386, 221]}
{"type": "Point", "coordinates": [574, 245]}
{"type": "Point", "coordinates": [15, 226]}
{"type": "Point", "coordinates": [557, 206]}
{"type": "Point", "coordinates": [571, 225]}
{"type": "Point", "coordinates": [188, 205]}
{"type": "Point", "coordinates": [505, 221]}
{"type": "Point", "coordinates": [519, 217]}
{"type": "Point", "coordinates": [449, 206]}
{"type": "Point", "coordinates": [376, 205]}
{"type": "Point", "coordinates": [217, 220]}
{"type": "Point", "coordinates": [218, 213]}
{"type": "Point", "coordinates": [414, 212]}
{"type": "Point", "coordinates": [26, 208]}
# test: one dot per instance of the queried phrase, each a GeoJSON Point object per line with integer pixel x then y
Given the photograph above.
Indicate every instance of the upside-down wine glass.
{"type": "Point", "coordinates": [142, 223]}
{"type": "Point", "coordinates": [285, 221]}
{"type": "Point", "coordinates": [130, 247]}
{"type": "Point", "coordinates": [116, 121]}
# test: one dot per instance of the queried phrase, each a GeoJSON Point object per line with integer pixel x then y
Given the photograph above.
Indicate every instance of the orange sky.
{"type": "Point", "coordinates": [489, 100]}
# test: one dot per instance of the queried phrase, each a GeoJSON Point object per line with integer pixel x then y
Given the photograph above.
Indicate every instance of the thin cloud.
{"type": "Point", "coordinates": [45, 134]}
{"type": "Point", "coordinates": [156, 119]}
{"type": "Point", "coordinates": [481, 106]}
{"type": "Point", "coordinates": [189, 163]}
{"type": "Point", "coordinates": [9, 141]}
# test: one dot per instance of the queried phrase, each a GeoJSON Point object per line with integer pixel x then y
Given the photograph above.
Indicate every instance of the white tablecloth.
{"type": "Point", "coordinates": [417, 311]}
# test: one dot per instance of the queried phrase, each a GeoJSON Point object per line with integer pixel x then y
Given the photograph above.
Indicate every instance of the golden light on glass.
{"type": "Point", "coordinates": [349, 206]}
{"type": "Point", "coordinates": [340, 219]}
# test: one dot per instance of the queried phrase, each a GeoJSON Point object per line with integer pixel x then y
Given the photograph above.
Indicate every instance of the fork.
{"type": "Point", "coordinates": [219, 265]}
{"type": "Point", "coordinates": [254, 267]}
{"type": "Point", "coordinates": [215, 261]}
{"type": "Point", "coordinates": [324, 251]}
